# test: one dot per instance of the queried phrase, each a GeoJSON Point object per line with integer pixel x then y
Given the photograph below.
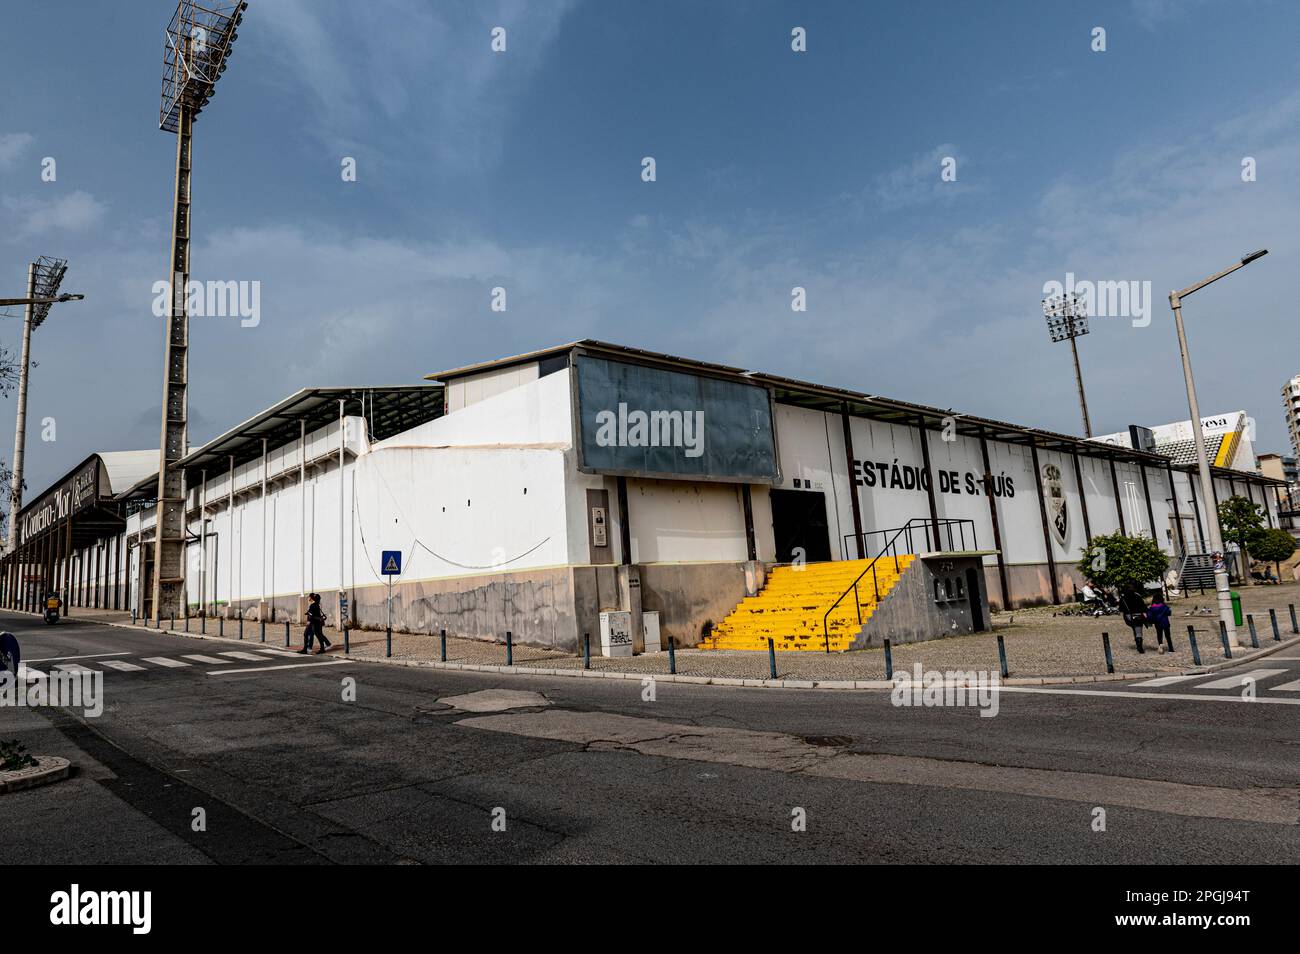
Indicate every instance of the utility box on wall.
{"type": "Point", "coordinates": [616, 633]}
{"type": "Point", "coordinates": [650, 628]}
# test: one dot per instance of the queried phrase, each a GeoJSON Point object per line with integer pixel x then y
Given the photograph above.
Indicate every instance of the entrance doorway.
{"type": "Point", "coordinates": [799, 523]}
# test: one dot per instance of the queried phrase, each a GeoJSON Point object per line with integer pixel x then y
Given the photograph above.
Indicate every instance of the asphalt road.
{"type": "Point", "coordinates": [285, 769]}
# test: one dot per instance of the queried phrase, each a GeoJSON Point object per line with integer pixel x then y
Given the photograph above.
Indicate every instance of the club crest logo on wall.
{"type": "Point", "coordinates": [1058, 515]}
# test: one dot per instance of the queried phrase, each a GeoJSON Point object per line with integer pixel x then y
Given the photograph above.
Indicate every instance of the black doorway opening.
{"type": "Point", "coordinates": [799, 522]}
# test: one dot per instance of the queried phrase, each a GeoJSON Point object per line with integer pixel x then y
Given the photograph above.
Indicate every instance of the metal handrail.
{"type": "Point", "coordinates": [891, 548]}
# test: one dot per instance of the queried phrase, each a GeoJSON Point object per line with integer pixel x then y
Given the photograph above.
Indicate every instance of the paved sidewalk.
{"type": "Point", "coordinates": [1040, 642]}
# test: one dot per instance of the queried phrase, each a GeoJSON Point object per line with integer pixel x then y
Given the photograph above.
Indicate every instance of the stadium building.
{"type": "Point", "coordinates": [534, 493]}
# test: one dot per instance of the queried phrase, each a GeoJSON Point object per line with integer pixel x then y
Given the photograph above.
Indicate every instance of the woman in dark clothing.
{"type": "Point", "coordinates": [1134, 608]}
{"type": "Point", "coordinates": [316, 623]}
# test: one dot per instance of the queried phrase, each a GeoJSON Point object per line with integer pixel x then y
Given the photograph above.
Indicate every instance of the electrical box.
{"type": "Point", "coordinates": [650, 629]}
{"type": "Point", "coordinates": [616, 633]}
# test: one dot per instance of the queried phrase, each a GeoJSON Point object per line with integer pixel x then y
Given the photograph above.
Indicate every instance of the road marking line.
{"type": "Point", "coordinates": [306, 665]}
{"type": "Point", "coordinates": [122, 666]}
{"type": "Point", "coordinates": [1165, 680]}
{"type": "Point", "coordinates": [1166, 696]}
{"type": "Point", "coordinates": [279, 652]}
{"type": "Point", "coordinates": [1238, 680]}
{"type": "Point", "coordinates": [86, 656]}
{"type": "Point", "coordinates": [209, 660]}
{"type": "Point", "coordinates": [164, 661]}
{"type": "Point", "coordinates": [243, 655]}
{"type": "Point", "coordinates": [73, 667]}
{"type": "Point", "coordinates": [1286, 687]}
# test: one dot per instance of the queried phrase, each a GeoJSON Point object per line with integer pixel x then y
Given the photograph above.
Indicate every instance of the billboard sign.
{"type": "Point", "coordinates": [645, 421]}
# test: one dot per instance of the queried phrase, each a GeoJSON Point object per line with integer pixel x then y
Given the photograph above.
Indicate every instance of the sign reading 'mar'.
{"type": "Point", "coordinates": [74, 494]}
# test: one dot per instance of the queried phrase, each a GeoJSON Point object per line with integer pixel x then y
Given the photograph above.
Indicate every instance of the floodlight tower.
{"type": "Point", "coordinates": [198, 43]}
{"type": "Point", "coordinates": [1067, 319]}
{"type": "Point", "coordinates": [44, 276]}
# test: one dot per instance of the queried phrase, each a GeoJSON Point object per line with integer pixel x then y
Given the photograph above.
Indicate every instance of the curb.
{"type": "Point", "coordinates": [48, 769]}
{"type": "Point", "coordinates": [735, 681]}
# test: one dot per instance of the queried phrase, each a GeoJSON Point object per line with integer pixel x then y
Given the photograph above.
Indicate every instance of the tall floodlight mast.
{"type": "Point", "coordinates": [197, 45]}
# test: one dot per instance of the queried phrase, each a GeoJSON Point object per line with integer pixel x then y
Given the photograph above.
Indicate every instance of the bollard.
{"type": "Point", "coordinates": [1254, 639]}
{"type": "Point", "coordinates": [443, 640]}
{"type": "Point", "coordinates": [187, 621]}
{"type": "Point", "coordinates": [672, 657]}
{"type": "Point", "coordinates": [203, 624]}
{"type": "Point", "coordinates": [586, 650]}
{"type": "Point", "coordinates": [889, 661]}
{"type": "Point", "coordinates": [262, 628]}
{"type": "Point", "coordinates": [221, 626]}
{"type": "Point", "coordinates": [1294, 627]}
{"type": "Point", "coordinates": [1137, 639]}
{"type": "Point", "coordinates": [388, 635]}
{"type": "Point", "coordinates": [510, 648]}
{"type": "Point", "coordinates": [134, 621]}
{"type": "Point", "coordinates": [1191, 638]}
{"type": "Point", "coordinates": [241, 625]}
{"type": "Point", "coordinates": [286, 634]}
{"type": "Point", "coordinates": [1105, 644]}
{"type": "Point", "coordinates": [1272, 618]}
{"type": "Point", "coordinates": [171, 623]}
{"type": "Point", "coordinates": [347, 642]}
{"type": "Point", "coordinates": [771, 658]}
{"type": "Point", "coordinates": [1002, 655]}
{"type": "Point", "coordinates": [1223, 638]}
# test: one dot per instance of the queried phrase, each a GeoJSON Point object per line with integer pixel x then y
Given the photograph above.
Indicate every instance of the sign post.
{"type": "Point", "coordinates": [390, 562]}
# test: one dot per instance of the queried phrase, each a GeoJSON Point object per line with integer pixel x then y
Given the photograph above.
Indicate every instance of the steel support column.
{"type": "Point", "coordinates": [858, 542]}
{"type": "Point", "coordinates": [1146, 491]}
{"type": "Point", "coordinates": [169, 529]}
{"type": "Point", "coordinates": [993, 518]}
{"type": "Point", "coordinates": [1083, 497]}
{"type": "Point", "coordinates": [1119, 504]}
{"type": "Point", "coordinates": [929, 478]}
{"type": "Point", "coordinates": [1047, 533]}
{"type": "Point", "coordinates": [1178, 515]}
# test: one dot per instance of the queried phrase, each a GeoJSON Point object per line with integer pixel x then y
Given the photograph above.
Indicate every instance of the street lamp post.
{"type": "Point", "coordinates": [1202, 461]}
{"type": "Point", "coordinates": [1067, 319]}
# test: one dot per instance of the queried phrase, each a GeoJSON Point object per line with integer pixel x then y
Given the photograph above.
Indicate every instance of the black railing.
{"type": "Point", "coordinates": [951, 532]}
{"type": "Point", "coordinates": [935, 533]}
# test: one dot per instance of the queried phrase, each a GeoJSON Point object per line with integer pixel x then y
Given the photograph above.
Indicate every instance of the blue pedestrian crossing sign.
{"type": "Point", "coordinates": [391, 562]}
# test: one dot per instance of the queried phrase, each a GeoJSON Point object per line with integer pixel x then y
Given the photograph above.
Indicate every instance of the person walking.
{"type": "Point", "coordinates": [1158, 614]}
{"type": "Point", "coordinates": [1134, 608]}
{"type": "Point", "coordinates": [316, 618]}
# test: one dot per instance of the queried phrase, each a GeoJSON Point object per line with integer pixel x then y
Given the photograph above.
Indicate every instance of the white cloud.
{"type": "Point", "coordinates": [12, 145]}
{"type": "Point", "coordinates": [74, 212]}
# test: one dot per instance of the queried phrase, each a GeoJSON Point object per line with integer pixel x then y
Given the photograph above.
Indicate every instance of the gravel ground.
{"type": "Point", "coordinates": [1039, 642]}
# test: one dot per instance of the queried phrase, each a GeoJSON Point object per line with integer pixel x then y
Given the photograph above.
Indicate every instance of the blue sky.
{"type": "Point", "coordinates": [775, 169]}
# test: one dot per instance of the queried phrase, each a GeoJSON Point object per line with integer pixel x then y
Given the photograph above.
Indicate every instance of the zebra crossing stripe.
{"type": "Point", "coordinates": [1165, 680]}
{"type": "Point", "coordinates": [248, 656]}
{"type": "Point", "coordinates": [1238, 680]}
{"type": "Point", "coordinates": [73, 667]}
{"type": "Point", "coordinates": [121, 666]}
{"type": "Point", "coordinates": [166, 663]}
{"type": "Point", "coordinates": [209, 660]}
{"type": "Point", "coordinates": [1287, 687]}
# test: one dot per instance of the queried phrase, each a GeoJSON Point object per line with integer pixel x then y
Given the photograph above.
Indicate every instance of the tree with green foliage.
{"type": "Point", "coordinates": [1116, 562]}
{"type": "Point", "coordinates": [1241, 521]}
{"type": "Point", "coordinates": [1273, 546]}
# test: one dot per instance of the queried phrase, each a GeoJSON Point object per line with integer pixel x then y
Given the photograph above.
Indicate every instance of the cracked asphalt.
{"type": "Point", "coordinates": [288, 770]}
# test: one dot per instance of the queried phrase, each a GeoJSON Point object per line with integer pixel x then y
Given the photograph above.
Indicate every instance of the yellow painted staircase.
{"type": "Point", "coordinates": [790, 606]}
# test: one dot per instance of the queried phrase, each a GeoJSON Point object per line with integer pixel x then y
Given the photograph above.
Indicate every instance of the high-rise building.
{"type": "Point", "coordinates": [1291, 402]}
